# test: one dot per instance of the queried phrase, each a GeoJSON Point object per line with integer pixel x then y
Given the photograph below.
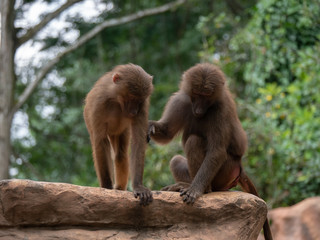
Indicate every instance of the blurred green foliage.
{"type": "Point", "coordinates": [274, 64]}
{"type": "Point", "coordinates": [269, 51]}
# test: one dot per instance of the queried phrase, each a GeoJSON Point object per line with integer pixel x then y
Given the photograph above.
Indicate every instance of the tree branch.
{"type": "Point", "coordinates": [108, 23]}
{"type": "Point", "coordinates": [48, 18]}
{"type": "Point", "coordinates": [235, 7]}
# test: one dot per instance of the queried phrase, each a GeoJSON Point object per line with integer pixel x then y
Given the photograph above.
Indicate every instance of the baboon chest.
{"type": "Point", "coordinates": [116, 125]}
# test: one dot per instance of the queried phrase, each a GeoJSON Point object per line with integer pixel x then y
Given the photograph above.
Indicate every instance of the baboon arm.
{"type": "Point", "coordinates": [173, 119]}
{"type": "Point", "coordinates": [208, 169]}
{"type": "Point", "coordinates": [138, 146]}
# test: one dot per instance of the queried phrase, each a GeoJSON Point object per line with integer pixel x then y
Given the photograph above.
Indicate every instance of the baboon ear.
{"type": "Point", "coordinates": [115, 77]}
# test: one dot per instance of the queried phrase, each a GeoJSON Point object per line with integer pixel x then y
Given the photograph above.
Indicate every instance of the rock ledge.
{"type": "Point", "coordinates": [43, 210]}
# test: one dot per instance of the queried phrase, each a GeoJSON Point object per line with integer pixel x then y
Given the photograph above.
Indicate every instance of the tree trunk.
{"type": "Point", "coordinates": [7, 82]}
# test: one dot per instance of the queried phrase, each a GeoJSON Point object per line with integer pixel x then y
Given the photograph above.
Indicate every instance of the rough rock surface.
{"type": "Point", "coordinates": [300, 221]}
{"type": "Point", "coordinates": [41, 210]}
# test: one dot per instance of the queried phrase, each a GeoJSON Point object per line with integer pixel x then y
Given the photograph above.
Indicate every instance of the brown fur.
{"type": "Point", "coordinates": [213, 138]}
{"type": "Point", "coordinates": [116, 109]}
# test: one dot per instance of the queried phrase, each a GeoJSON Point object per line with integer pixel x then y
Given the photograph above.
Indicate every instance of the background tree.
{"type": "Point", "coordinates": [165, 45]}
{"type": "Point", "coordinates": [7, 81]}
{"type": "Point", "coordinates": [12, 38]}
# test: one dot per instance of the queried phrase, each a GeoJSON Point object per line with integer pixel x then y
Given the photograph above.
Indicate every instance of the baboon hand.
{"type": "Point", "coordinates": [144, 194]}
{"type": "Point", "coordinates": [151, 130]}
{"type": "Point", "coordinates": [190, 194]}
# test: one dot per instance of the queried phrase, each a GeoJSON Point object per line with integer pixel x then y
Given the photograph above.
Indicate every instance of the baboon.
{"type": "Point", "coordinates": [115, 112]}
{"type": "Point", "coordinates": [212, 136]}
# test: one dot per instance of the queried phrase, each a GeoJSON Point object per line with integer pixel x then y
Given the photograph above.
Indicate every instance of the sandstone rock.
{"type": "Point", "coordinates": [41, 210]}
{"type": "Point", "coordinates": [300, 221]}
